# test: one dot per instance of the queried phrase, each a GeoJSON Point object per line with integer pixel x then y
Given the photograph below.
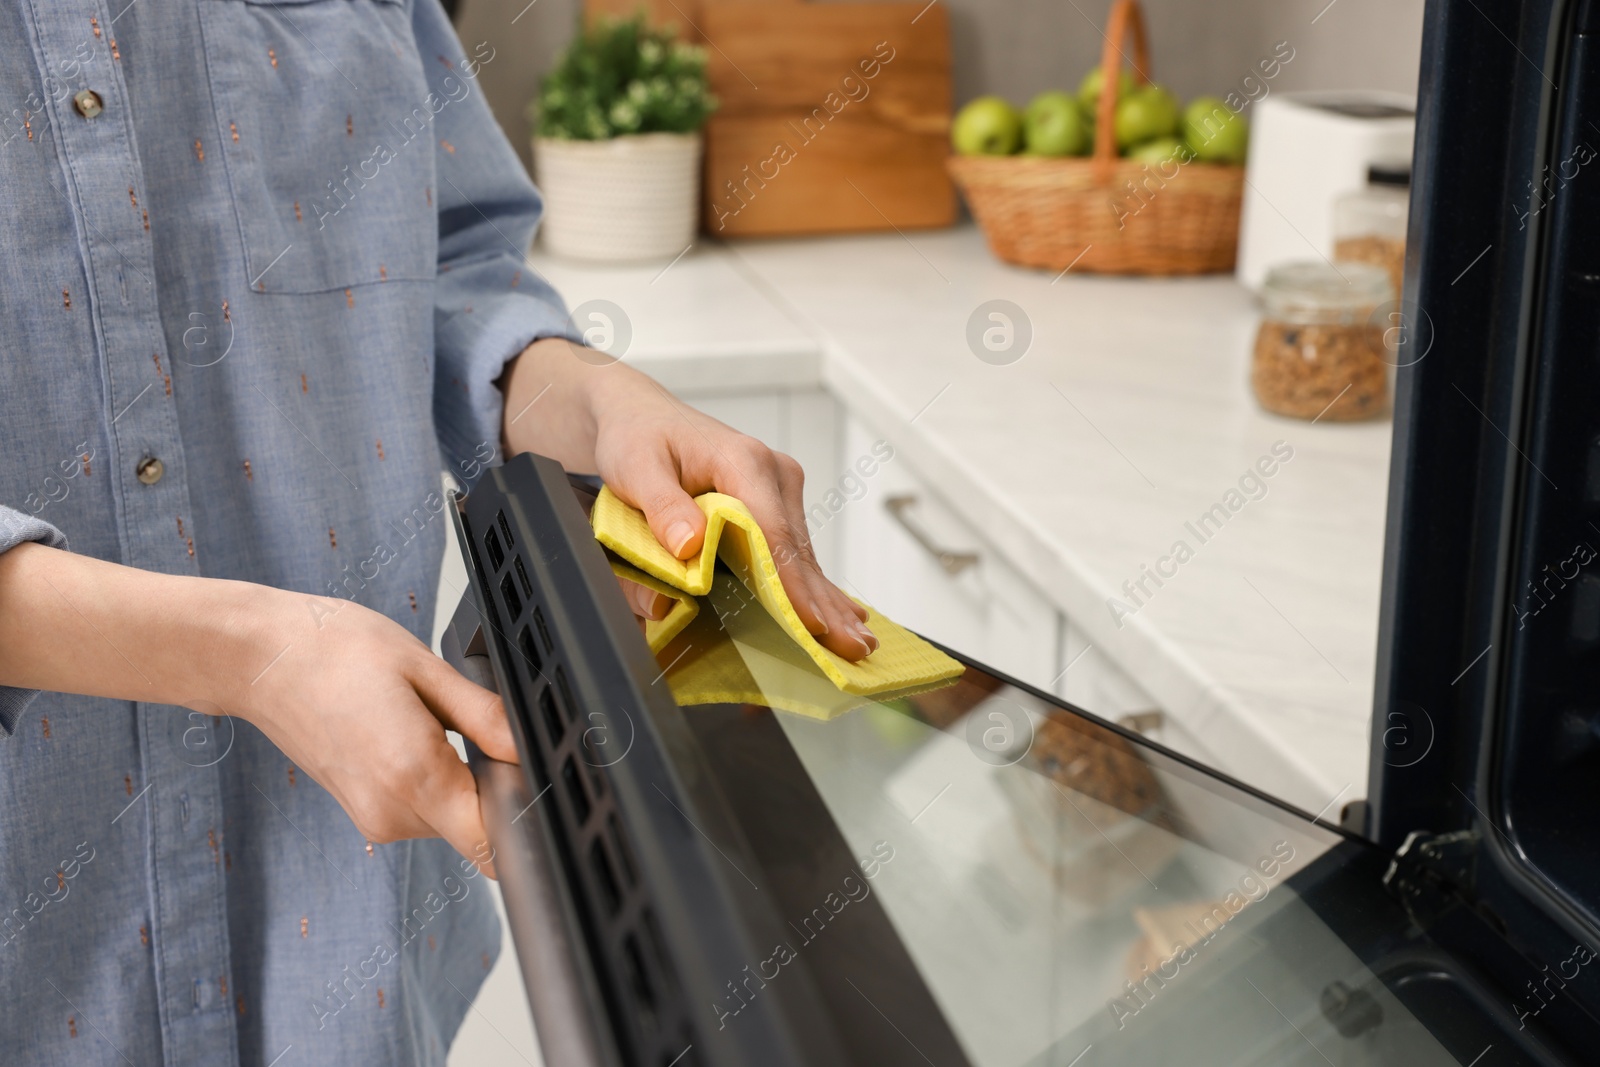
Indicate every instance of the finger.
{"type": "Point", "coordinates": [470, 710]}
{"type": "Point", "coordinates": [645, 602]}
{"type": "Point", "coordinates": [829, 615]}
{"type": "Point", "coordinates": [847, 635]}
{"type": "Point", "coordinates": [447, 800]}
{"type": "Point", "coordinates": [791, 488]}
{"type": "Point", "coordinates": [826, 612]}
{"type": "Point", "coordinates": [654, 486]}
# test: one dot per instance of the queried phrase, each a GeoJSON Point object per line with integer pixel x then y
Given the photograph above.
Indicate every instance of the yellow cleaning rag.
{"type": "Point", "coordinates": [658, 633]}
{"type": "Point", "coordinates": [903, 660]}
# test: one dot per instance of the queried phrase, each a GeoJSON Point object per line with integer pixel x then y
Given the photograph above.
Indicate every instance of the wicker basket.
{"type": "Point", "coordinates": [1104, 214]}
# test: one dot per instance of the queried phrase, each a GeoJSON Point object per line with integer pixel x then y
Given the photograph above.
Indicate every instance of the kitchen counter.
{"type": "Point", "coordinates": [1084, 462]}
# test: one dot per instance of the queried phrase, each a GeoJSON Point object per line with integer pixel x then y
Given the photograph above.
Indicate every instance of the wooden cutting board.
{"type": "Point", "coordinates": [682, 16]}
{"type": "Point", "coordinates": [834, 117]}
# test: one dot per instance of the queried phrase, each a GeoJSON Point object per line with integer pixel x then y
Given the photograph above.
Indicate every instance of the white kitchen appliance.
{"type": "Point", "coordinates": [1306, 150]}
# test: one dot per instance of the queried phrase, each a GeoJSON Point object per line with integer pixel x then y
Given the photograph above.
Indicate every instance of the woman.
{"type": "Point", "coordinates": [263, 270]}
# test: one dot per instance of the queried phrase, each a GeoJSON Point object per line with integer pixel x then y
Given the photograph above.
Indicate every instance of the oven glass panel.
{"type": "Point", "coordinates": [1069, 894]}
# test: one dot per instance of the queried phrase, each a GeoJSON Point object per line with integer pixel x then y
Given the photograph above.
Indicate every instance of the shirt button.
{"type": "Point", "coordinates": [88, 103]}
{"type": "Point", "coordinates": [150, 470]}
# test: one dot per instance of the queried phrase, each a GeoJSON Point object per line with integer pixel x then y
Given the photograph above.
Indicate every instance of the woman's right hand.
{"type": "Point", "coordinates": [348, 695]}
{"type": "Point", "coordinates": [362, 706]}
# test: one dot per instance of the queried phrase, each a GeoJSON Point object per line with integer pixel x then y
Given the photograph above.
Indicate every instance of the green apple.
{"type": "Point", "coordinates": [1215, 132]}
{"type": "Point", "coordinates": [1145, 114]}
{"type": "Point", "coordinates": [1159, 151]}
{"type": "Point", "coordinates": [1089, 120]}
{"type": "Point", "coordinates": [1053, 126]}
{"type": "Point", "coordinates": [988, 126]}
{"type": "Point", "coordinates": [1089, 88]}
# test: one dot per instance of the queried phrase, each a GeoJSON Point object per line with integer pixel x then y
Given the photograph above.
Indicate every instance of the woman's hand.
{"type": "Point", "coordinates": [362, 706]}
{"type": "Point", "coordinates": [348, 695]}
{"type": "Point", "coordinates": [657, 453]}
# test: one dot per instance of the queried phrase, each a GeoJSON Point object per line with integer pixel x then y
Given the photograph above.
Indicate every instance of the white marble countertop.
{"type": "Point", "coordinates": [1129, 416]}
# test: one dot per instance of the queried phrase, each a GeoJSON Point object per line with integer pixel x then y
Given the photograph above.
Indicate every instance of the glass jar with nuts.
{"type": "Point", "coordinates": [1320, 351]}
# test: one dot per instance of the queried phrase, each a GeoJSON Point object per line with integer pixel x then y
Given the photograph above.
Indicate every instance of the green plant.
{"type": "Point", "coordinates": [620, 77]}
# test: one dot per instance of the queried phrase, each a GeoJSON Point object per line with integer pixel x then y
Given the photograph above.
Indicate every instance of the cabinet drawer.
{"type": "Point", "coordinates": [906, 552]}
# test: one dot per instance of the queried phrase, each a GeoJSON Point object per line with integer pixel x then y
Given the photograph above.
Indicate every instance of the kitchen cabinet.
{"type": "Point", "coordinates": [905, 551]}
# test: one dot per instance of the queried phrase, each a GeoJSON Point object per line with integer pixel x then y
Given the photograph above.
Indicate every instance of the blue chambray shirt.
{"type": "Point", "coordinates": [279, 252]}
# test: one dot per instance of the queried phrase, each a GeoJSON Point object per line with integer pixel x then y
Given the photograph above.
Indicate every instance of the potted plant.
{"type": "Point", "coordinates": [616, 148]}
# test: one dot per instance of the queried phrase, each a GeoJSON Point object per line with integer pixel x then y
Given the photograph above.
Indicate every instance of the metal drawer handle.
{"type": "Point", "coordinates": [952, 562]}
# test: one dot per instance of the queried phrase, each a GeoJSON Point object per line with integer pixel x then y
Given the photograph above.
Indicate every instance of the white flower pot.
{"type": "Point", "coordinates": [634, 197]}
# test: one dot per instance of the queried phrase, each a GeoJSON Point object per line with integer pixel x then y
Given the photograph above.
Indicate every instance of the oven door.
{"type": "Point", "coordinates": [757, 870]}
{"type": "Point", "coordinates": [1489, 644]}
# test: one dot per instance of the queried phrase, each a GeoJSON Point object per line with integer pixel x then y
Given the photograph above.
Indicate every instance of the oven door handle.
{"type": "Point", "coordinates": [953, 561]}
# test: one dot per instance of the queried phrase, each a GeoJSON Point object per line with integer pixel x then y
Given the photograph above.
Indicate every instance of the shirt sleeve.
{"type": "Point", "coordinates": [17, 528]}
{"type": "Point", "coordinates": [488, 304]}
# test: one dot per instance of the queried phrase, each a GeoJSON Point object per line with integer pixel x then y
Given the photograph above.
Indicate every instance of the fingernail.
{"type": "Point", "coordinates": [815, 614]}
{"type": "Point", "coordinates": [679, 535]}
{"type": "Point", "coordinates": [868, 638]}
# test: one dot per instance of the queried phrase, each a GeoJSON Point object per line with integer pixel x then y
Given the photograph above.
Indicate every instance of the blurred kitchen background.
{"type": "Point", "coordinates": [1016, 48]}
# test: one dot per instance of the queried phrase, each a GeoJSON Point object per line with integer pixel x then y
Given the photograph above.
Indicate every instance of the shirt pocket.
{"type": "Point", "coordinates": [325, 126]}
